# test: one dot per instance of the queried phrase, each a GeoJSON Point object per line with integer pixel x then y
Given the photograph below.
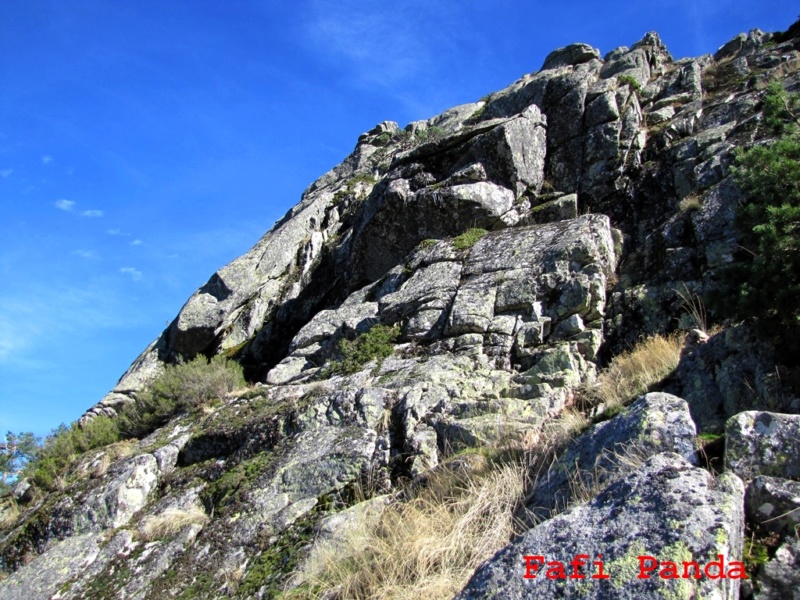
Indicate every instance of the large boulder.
{"type": "Point", "coordinates": [763, 443]}
{"type": "Point", "coordinates": [655, 423]}
{"type": "Point", "coordinates": [667, 509]}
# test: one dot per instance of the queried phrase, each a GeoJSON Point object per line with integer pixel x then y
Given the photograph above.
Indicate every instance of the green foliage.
{"type": "Point", "coordinates": [766, 283]}
{"type": "Point", "coordinates": [198, 382]}
{"type": "Point", "coordinates": [429, 243]}
{"type": "Point", "coordinates": [431, 134]}
{"type": "Point", "coordinates": [375, 344]}
{"type": "Point", "coordinates": [15, 452]}
{"type": "Point", "coordinates": [469, 238]}
{"type": "Point", "coordinates": [64, 445]}
{"type": "Point", "coordinates": [630, 82]}
{"type": "Point", "coordinates": [180, 387]}
{"type": "Point", "coordinates": [349, 188]}
{"type": "Point", "coordinates": [781, 109]}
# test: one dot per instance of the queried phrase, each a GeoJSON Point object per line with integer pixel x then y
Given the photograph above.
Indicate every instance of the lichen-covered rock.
{"type": "Point", "coordinates": [44, 577]}
{"type": "Point", "coordinates": [667, 509]}
{"type": "Point", "coordinates": [763, 443]}
{"type": "Point", "coordinates": [773, 504]}
{"type": "Point", "coordinates": [655, 423]}
{"type": "Point", "coordinates": [780, 577]}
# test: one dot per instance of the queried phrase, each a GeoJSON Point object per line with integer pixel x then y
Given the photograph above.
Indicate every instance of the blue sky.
{"type": "Point", "coordinates": [145, 144]}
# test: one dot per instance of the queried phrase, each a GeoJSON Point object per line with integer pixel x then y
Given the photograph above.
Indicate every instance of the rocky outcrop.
{"type": "Point", "coordinates": [667, 510]}
{"type": "Point", "coordinates": [511, 247]}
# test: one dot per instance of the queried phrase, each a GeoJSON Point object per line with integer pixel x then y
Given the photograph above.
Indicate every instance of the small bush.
{"type": "Point", "coordinates": [171, 522]}
{"type": "Point", "coordinates": [64, 445]}
{"type": "Point", "coordinates": [196, 383]}
{"type": "Point", "coordinates": [469, 238]}
{"type": "Point", "coordinates": [630, 82]}
{"type": "Point", "coordinates": [765, 282]}
{"type": "Point", "coordinates": [635, 372]}
{"type": "Point", "coordinates": [375, 344]}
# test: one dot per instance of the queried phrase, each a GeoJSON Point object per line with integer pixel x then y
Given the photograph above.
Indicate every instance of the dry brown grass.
{"type": "Point", "coordinates": [426, 547]}
{"type": "Point", "coordinates": [171, 522]}
{"type": "Point", "coordinates": [585, 486]}
{"type": "Point", "coordinates": [9, 513]}
{"type": "Point", "coordinates": [635, 372]}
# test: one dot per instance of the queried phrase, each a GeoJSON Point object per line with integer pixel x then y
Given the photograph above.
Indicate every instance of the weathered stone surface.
{"type": "Point", "coordinates": [570, 55]}
{"type": "Point", "coordinates": [733, 372]}
{"type": "Point", "coordinates": [763, 443]}
{"type": "Point", "coordinates": [780, 577]}
{"type": "Point", "coordinates": [43, 578]}
{"type": "Point", "coordinates": [774, 504]}
{"type": "Point", "coordinates": [666, 509]}
{"type": "Point", "coordinates": [655, 423]}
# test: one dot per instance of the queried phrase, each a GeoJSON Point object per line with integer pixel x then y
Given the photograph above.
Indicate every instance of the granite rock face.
{"type": "Point", "coordinates": [512, 247]}
{"type": "Point", "coordinates": [666, 509]}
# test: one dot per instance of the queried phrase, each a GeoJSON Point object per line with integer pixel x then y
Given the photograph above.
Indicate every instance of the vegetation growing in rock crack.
{"type": "Point", "coordinates": [630, 82]}
{"type": "Point", "coordinates": [182, 386]}
{"type": "Point", "coordinates": [375, 344]}
{"type": "Point", "coordinates": [765, 283]}
{"type": "Point", "coordinates": [633, 373]}
{"type": "Point", "coordinates": [469, 238]}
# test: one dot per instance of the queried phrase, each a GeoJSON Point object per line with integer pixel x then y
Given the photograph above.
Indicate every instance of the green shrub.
{"type": "Point", "coordinates": [65, 444]}
{"type": "Point", "coordinates": [196, 383]}
{"type": "Point", "coordinates": [469, 238]}
{"type": "Point", "coordinates": [375, 344]}
{"type": "Point", "coordinates": [765, 282]}
{"type": "Point", "coordinates": [630, 82]}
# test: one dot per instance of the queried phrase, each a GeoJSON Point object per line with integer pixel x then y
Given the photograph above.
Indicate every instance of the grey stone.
{"type": "Point", "coordinates": [666, 509]}
{"type": "Point", "coordinates": [780, 577]}
{"type": "Point", "coordinates": [656, 422]}
{"type": "Point", "coordinates": [570, 55]}
{"type": "Point", "coordinates": [763, 443]}
{"type": "Point", "coordinates": [774, 505]}
{"type": "Point", "coordinates": [42, 578]}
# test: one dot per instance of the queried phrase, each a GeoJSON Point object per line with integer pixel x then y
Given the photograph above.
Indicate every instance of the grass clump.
{"type": "Point", "coordinates": [633, 373]}
{"type": "Point", "coordinates": [376, 344]}
{"type": "Point", "coordinates": [426, 547]}
{"type": "Point", "coordinates": [469, 238]}
{"type": "Point", "coordinates": [64, 445]}
{"type": "Point", "coordinates": [171, 522]}
{"type": "Point", "coordinates": [184, 386]}
{"type": "Point", "coordinates": [630, 82]}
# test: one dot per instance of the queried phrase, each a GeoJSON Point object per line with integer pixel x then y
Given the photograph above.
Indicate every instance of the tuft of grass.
{"type": "Point", "coordinates": [9, 513]}
{"type": "Point", "coordinates": [630, 82]}
{"type": "Point", "coordinates": [376, 344]}
{"type": "Point", "coordinates": [171, 522]}
{"type": "Point", "coordinates": [695, 308]}
{"type": "Point", "coordinates": [633, 373]}
{"type": "Point", "coordinates": [469, 238]}
{"type": "Point", "coordinates": [426, 547]}
{"type": "Point", "coordinates": [690, 203]}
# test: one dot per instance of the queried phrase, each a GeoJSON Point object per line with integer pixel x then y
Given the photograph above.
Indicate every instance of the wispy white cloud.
{"type": "Point", "coordinates": [118, 232]}
{"type": "Point", "coordinates": [69, 206]}
{"type": "Point", "coordinates": [66, 205]}
{"type": "Point", "coordinates": [88, 254]}
{"type": "Point", "coordinates": [137, 243]}
{"type": "Point", "coordinates": [383, 45]}
{"type": "Point", "coordinates": [6, 173]}
{"type": "Point", "coordinates": [135, 274]}
{"type": "Point", "coordinates": [47, 159]}
{"type": "Point", "coordinates": [35, 315]}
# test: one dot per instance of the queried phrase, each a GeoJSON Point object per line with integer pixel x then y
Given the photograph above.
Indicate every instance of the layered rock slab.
{"type": "Point", "coordinates": [667, 509]}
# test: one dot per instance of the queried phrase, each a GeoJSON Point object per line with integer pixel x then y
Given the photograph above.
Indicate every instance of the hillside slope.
{"type": "Point", "coordinates": [463, 283]}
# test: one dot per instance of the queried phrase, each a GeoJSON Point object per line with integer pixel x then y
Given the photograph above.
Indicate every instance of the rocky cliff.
{"type": "Point", "coordinates": [508, 250]}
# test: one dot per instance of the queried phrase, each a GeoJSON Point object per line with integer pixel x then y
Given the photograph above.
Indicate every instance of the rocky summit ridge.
{"type": "Point", "coordinates": [509, 250]}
